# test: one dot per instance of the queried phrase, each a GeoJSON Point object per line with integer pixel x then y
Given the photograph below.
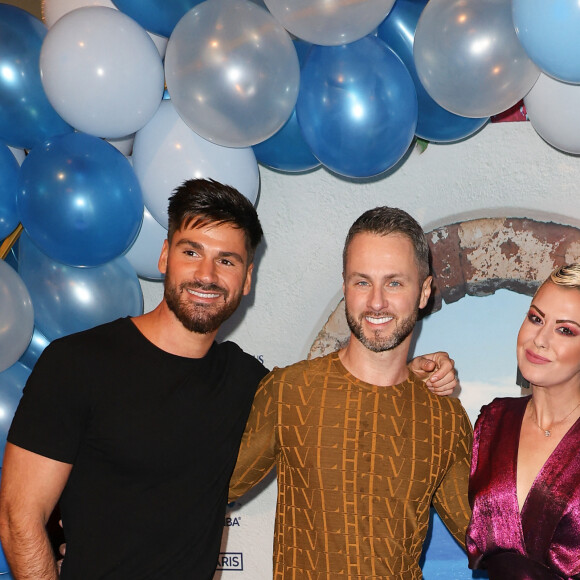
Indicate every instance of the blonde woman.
{"type": "Point", "coordinates": [524, 485]}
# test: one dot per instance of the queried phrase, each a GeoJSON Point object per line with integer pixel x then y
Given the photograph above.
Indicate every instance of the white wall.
{"type": "Point", "coordinates": [505, 170]}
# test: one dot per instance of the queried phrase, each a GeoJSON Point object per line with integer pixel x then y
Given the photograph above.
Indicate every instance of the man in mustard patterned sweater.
{"type": "Point", "coordinates": [361, 446]}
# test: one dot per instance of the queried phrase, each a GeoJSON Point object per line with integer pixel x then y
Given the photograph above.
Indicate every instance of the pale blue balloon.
{"type": "Point", "coordinates": [143, 255]}
{"type": "Point", "coordinates": [549, 32]}
{"type": "Point", "coordinates": [16, 316]}
{"type": "Point", "coordinates": [68, 299]}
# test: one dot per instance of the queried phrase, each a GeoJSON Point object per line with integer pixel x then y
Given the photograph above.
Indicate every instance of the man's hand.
{"type": "Point", "coordinates": [437, 370]}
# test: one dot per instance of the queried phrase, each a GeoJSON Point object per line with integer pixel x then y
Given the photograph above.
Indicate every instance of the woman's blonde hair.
{"type": "Point", "coordinates": [567, 275]}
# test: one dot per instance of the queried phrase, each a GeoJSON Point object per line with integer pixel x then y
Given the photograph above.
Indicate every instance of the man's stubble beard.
{"type": "Point", "coordinates": [199, 318]}
{"type": "Point", "coordinates": [377, 344]}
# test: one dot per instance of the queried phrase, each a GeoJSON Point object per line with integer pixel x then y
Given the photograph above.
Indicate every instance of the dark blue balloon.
{"type": "Point", "coordinates": [357, 107]}
{"type": "Point", "coordinates": [12, 381]}
{"type": "Point", "coordinates": [155, 16]}
{"type": "Point", "coordinates": [9, 169]}
{"type": "Point", "coordinates": [79, 200]}
{"type": "Point", "coordinates": [4, 569]}
{"type": "Point", "coordinates": [434, 123]}
{"type": "Point", "coordinates": [287, 150]}
{"type": "Point", "coordinates": [26, 116]}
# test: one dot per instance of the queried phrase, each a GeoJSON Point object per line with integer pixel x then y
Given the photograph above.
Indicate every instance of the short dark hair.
{"type": "Point", "coordinates": [201, 202]}
{"type": "Point", "coordinates": [383, 221]}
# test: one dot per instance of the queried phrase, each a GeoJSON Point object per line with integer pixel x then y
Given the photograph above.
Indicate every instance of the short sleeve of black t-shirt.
{"type": "Point", "coordinates": [54, 406]}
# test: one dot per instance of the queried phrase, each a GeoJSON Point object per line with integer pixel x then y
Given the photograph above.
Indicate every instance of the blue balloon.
{"type": "Point", "coordinates": [155, 16]}
{"type": "Point", "coordinates": [12, 381]}
{"type": "Point", "coordinates": [434, 123]}
{"type": "Point", "coordinates": [4, 568]}
{"type": "Point", "coordinates": [79, 200]}
{"type": "Point", "coordinates": [548, 31]}
{"type": "Point", "coordinates": [68, 299]}
{"type": "Point", "coordinates": [38, 343]}
{"type": "Point", "coordinates": [9, 169]}
{"type": "Point", "coordinates": [287, 150]}
{"type": "Point", "coordinates": [357, 107]}
{"type": "Point", "coordinates": [26, 116]}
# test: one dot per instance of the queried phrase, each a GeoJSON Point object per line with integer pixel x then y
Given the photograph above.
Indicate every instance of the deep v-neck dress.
{"type": "Point", "coordinates": [543, 541]}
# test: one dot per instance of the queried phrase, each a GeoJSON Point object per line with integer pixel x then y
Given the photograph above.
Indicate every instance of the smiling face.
{"type": "Point", "coordinates": [548, 346]}
{"type": "Point", "coordinates": [382, 290]}
{"type": "Point", "coordinates": [206, 274]}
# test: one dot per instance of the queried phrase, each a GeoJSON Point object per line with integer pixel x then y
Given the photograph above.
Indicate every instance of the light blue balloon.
{"type": "Point", "coordinates": [79, 200]}
{"type": "Point", "coordinates": [9, 169]}
{"type": "Point", "coordinates": [549, 33]}
{"type": "Point", "coordinates": [26, 116]}
{"type": "Point", "coordinates": [143, 255]}
{"type": "Point", "coordinates": [155, 16]}
{"type": "Point", "coordinates": [38, 343]}
{"type": "Point", "coordinates": [434, 123]}
{"type": "Point", "coordinates": [12, 381]}
{"type": "Point", "coordinates": [357, 107]}
{"type": "Point", "coordinates": [68, 299]}
{"type": "Point", "coordinates": [287, 150]}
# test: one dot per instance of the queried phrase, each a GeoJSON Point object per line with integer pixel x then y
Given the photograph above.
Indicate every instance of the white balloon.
{"type": "Point", "coordinates": [143, 255]}
{"type": "Point", "coordinates": [166, 152]}
{"type": "Point", "coordinates": [16, 316]}
{"type": "Point", "coordinates": [468, 57]}
{"type": "Point", "coordinates": [330, 22]}
{"type": "Point", "coordinates": [232, 72]}
{"type": "Point", "coordinates": [552, 108]}
{"type": "Point", "coordinates": [101, 72]}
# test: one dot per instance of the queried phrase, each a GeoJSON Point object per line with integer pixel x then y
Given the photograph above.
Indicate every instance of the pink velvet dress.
{"type": "Point", "coordinates": [543, 541]}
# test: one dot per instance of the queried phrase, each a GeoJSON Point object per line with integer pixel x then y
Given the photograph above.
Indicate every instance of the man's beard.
{"type": "Point", "coordinates": [199, 318]}
{"type": "Point", "coordinates": [377, 343]}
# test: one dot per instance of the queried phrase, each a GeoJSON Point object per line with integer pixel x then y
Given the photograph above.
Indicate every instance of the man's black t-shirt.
{"type": "Point", "coordinates": [152, 438]}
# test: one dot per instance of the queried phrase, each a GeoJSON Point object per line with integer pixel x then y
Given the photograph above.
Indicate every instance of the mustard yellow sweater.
{"type": "Point", "coordinates": [358, 469]}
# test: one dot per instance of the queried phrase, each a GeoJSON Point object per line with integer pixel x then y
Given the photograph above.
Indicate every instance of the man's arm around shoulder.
{"type": "Point", "coordinates": [31, 485]}
{"type": "Point", "coordinates": [257, 454]}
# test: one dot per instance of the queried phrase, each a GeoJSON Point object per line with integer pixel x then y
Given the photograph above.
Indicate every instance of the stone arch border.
{"type": "Point", "coordinates": [476, 258]}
